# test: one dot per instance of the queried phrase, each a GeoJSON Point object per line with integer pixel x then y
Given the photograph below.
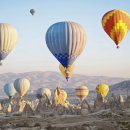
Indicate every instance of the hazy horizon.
{"type": "Point", "coordinates": [62, 75]}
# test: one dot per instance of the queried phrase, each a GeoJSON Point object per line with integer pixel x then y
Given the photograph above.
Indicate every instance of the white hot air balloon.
{"type": "Point", "coordinates": [43, 91]}
{"type": "Point", "coordinates": [22, 85]}
{"type": "Point", "coordinates": [8, 39]}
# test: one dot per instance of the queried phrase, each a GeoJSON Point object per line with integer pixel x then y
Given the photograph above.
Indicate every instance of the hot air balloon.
{"type": "Point", "coordinates": [66, 41]}
{"type": "Point", "coordinates": [8, 40]}
{"type": "Point", "coordinates": [42, 91]}
{"type": "Point", "coordinates": [9, 90]}
{"type": "Point", "coordinates": [102, 89]}
{"type": "Point", "coordinates": [60, 96]}
{"type": "Point", "coordinates": [69, 71]}
{"type": "Point", "coordinates": [116, 24]}
{"type": "Point", "coordinates": [82, 92]}
{"type": "Point", "coordinates": [22, 85]}
{"type": "Point", "coordinates": [32, 11]}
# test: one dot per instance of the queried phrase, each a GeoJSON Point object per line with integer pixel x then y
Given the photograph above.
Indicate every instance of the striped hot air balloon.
{"type": "Point", "coordinates": [82, 92]}
{"type": "Point", "coordinates": [66, 41]}
{"type": "Point", "coordinates": [116, 24]}
{"type": "Point", "coordinates": [8, 40]}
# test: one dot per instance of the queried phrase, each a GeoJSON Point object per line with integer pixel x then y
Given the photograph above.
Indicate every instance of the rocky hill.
{"type": "Point", "coordinates": [122, 88]}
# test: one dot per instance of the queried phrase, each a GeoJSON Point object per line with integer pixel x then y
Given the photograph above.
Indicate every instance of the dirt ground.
{"type": "Point", "coordinates": [102, 120]}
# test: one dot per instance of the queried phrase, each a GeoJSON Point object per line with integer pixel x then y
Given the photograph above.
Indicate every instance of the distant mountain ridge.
{"type": "Point", "coordinates": [122, 88]}
{"type": "Point", "coordinates": [52, 79]}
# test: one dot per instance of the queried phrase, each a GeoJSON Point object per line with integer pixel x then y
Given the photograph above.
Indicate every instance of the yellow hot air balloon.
{"type": "Point", "coordinates": [116, 24]}
{"type": "Point", "coordinates": [82, 92]}
{"type": "Point", "coordinates": [47, 91]}
{"type": "Point", "coordinates": [8, 39]}
{"type": "Point", "coordinates": [102, 89]}
{"type": "Point", "coordinates": [22, 85]}
{"type": "Point", "coordinates": [67, 73]}
{"type": "Point", "coordinates": [60, 96]}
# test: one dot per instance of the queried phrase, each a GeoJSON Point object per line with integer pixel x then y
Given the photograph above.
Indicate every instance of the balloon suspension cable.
{"type": "Point", "coordinates": [117, 47]}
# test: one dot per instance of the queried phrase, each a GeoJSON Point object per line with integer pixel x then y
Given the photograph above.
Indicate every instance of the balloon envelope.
{"type": "Point", "coordinates": [22, 85]}
{"type": "Point", "coordinates": [60, 95]}
{"type": "Point", "coordinates": [32, 11]}
{"type": "Point", "coordinates": [42, 91]}
{"type": "Point", "coordinates": [70, 70]}
{"type": "Point", "coordinates": [66, 41]}
{"type": "Point", "coordinates": [116, 24]}
{"type": "Point", "coordinates": [82, 92]}
{"type": "Point", "coordinates": [8, 39]}
{"type": "Point", "coordinates": [102, 89]}
{"type": "Point", "coordinates": [9, 89]}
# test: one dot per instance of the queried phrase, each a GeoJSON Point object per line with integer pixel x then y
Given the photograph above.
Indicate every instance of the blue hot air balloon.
{"type": "Point", "coordinates": [32, 11]}
{"type": "Point", "coordinates": [9, 90]}
{"type": "Point", "coordinates": [66, 41]}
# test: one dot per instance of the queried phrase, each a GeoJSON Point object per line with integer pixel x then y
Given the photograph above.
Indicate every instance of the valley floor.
{"type": "Point", "coordinates": [102, 120]}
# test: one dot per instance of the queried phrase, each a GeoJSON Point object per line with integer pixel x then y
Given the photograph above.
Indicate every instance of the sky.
{"type": "Point", "coordinates": [100, 56]}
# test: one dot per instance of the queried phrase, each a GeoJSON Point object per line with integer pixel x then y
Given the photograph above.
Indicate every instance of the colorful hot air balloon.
{"type": "Point", "coordinates": [42, 91]}
{"type": "Point", "coordinates": [8, 39]}
{"type": "Point", "coordinates": [82, 92]}
{"type": "Point", "coordinates": [9, 90]}
{"type": "Point", "coordinates": [22, 85]}
{"type": "Point", "coordinates": [32, 11]}
{"type": "Point", "coordinates": [116, 24]}
{"type": "Point", "coordinates": [67, 73]}
{"type": "Point", "coordinates": [102, 89]}
{"type": "Point", "coordinates": [66, 41]}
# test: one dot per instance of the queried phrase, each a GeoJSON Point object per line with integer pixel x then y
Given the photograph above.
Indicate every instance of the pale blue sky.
{"type": "Point", "coordinates": [100, 56]}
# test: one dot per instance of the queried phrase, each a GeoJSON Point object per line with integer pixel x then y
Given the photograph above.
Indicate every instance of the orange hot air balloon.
{"type": "Point", "coordinates": [116, 24]}
{"type": "Point", "coordinates": [82, 92]}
